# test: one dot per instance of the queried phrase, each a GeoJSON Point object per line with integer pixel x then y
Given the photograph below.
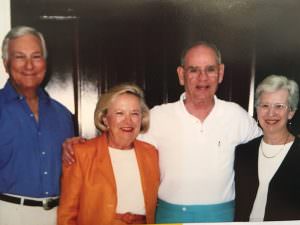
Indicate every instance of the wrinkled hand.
{"type": "Point", "coordinates": [68, 151]}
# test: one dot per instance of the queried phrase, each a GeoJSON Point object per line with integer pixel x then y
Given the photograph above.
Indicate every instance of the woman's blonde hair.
{"type": "Point", "coordinates": [106, 99]}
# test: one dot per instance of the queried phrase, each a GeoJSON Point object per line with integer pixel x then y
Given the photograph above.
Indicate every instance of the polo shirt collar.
{"type": "Point", "coordinates": [183, 97]}
{"type": "Point", "coordinates": [12, 94]}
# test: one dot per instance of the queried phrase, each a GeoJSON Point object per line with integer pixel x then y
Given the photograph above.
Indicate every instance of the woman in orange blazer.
{"type": "Point", "coordinates": [115, 178]}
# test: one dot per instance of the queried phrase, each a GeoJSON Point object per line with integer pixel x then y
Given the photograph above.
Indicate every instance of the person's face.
{"type": "Point", "coordinates": [273, 111]}
{"type": "Point", "coordinates": [200, 74]}
{"type": "Point", "coordinates": [123, 119]}
{"type": "Point", "coordinates": [25, 64]}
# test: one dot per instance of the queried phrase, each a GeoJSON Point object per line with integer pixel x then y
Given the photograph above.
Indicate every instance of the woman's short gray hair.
{"type": "Point", "coordinates": [277, 82]}
{"type": "Point", "coordinates": [110, 95]}
{"type": "Point", "coordinates": [19, 32]}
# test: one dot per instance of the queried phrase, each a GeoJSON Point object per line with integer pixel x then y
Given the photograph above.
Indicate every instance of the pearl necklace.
{"type": "Point", "coordinates": [280, 150]}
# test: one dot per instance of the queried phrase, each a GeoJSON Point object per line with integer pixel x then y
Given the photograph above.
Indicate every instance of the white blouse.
{"type": "Point", "coordinates": [128, 181]}
{"type": "Point", "coordinates": [269, 159]}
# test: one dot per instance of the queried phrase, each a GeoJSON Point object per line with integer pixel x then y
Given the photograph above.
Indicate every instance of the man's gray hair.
{"type": "Point", "coordinates": [199, 43]}
{"type": "Point", "coordinates": [19, 32]}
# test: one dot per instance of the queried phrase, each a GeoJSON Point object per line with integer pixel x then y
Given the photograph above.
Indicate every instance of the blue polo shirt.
{"type": "Point", "coordinates": [30, 151]}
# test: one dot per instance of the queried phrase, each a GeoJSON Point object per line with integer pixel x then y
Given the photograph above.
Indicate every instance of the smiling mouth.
{"type": "Point", "coordinates": [127, 129]}
{"type": "Point", "coordinates": [271, 122]}
{"type": "Point", "coordinates": [202, 87]}
{"type": "Point", "coordinates": [29, 74]}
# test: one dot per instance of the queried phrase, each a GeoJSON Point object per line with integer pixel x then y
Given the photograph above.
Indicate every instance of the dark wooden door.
{"type": "Point", "coordinates": [94, 45]}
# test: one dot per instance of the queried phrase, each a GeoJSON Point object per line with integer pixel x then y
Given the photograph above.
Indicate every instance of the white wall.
{"type": "Point", "coordinates": [5, 25]}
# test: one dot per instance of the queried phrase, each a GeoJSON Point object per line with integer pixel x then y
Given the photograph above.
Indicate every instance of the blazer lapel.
{"type": "Point", "coordinates": [144, 171]}
{"type": "Point", "coordinates": [286, 163]}
{"type": "Point", "coordinates": [105, 165]}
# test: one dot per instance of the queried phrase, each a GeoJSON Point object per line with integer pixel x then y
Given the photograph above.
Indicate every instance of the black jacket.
{"type": "Point", "coordinates": [283, 201]}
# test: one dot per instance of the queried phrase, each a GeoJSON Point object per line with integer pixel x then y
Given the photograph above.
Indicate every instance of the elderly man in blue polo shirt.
{"type": "Point", "coordinates": [32, 129]}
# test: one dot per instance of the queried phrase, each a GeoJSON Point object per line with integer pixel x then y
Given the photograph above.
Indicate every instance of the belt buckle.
{"type": "Point", "coordinates": [48, 203]}
{"type": "Point", "coordinates": [128, 217]}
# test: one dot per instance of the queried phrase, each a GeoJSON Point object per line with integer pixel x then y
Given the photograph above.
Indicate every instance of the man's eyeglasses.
{"type": "Point", "coordinates": [210, 71]}
{"type": "Point", "coordinates": [278, 107]}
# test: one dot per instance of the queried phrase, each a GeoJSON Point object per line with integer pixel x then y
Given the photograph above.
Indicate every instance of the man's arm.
{"type": "Point", "coordinates": [68, 150]}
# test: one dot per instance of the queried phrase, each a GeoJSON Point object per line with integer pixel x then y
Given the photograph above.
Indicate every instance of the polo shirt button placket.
{"type": "Point", "coordinates": [201, 128]}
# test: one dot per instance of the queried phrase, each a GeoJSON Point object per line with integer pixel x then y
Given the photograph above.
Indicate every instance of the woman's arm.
{"type": "Point", "coordinates": [71, 184]}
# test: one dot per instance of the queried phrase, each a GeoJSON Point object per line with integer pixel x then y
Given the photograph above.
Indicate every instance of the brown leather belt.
{"type": "Point", "coordinates": [130, 218]}
{"type": "Point", "coordinates": [47, 204]}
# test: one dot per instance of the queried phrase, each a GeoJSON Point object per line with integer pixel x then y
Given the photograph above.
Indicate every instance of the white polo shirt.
{"type": "Point", "coordinates": [196, 159]}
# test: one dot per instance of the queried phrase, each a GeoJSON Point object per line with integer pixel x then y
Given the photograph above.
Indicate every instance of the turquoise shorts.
{"type": "Point", "coordinates": [171, 213]}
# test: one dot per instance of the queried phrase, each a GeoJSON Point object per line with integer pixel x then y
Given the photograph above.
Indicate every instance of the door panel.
{"type": "Point", "coordinates": [97, 44]}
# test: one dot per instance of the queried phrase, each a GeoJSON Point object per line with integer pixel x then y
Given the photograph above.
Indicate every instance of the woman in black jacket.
{"type": "Point", "coordinates": [267, 171]}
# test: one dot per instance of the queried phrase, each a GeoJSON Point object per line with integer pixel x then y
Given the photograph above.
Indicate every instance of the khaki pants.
{"type": "Point", "coordinates": [14, 214]}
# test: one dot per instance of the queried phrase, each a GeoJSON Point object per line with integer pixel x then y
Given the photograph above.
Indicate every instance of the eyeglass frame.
{"type": "Point", "coordinates": [200, 71]}
{"type": "Point", "coordinates": [278, 107]}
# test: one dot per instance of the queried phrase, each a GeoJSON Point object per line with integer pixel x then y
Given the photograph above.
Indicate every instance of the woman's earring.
{"type": "Point", "coordinates": [289, 123]}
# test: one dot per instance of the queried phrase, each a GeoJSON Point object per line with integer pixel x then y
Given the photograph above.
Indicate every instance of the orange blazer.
{"type": "Point", "coordinates": [88, 194]}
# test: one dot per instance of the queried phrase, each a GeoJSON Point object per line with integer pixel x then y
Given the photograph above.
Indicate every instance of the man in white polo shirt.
{"type": "Point", "coordinates": [196, 138]}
